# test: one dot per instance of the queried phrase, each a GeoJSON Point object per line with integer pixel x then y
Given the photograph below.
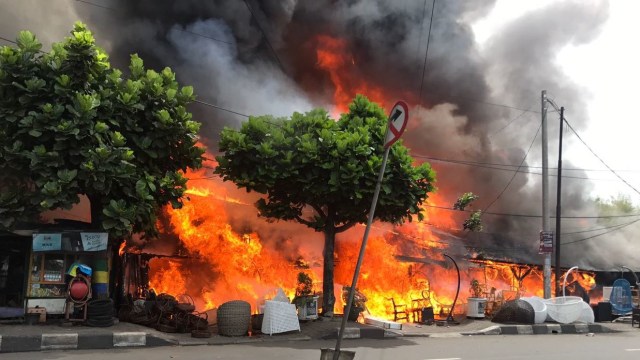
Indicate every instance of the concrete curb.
{"type": "Point", "coordinates": [542, 329]}
{"type": "Point", "coordinates": [537, 329]}
{"type": "Point", "coordinates": [64, 341]}
{"type": "Point", "coordinates": [9, 343]}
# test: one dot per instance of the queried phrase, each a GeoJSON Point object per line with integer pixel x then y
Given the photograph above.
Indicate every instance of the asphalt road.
{"type": "Point", "coordinates": [618, 346]}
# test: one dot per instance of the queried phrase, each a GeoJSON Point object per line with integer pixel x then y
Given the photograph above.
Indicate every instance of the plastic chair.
{"type": "Point", "coordinates": [400, 311]}
{"type": "Point", "coordinates": [621, 300]}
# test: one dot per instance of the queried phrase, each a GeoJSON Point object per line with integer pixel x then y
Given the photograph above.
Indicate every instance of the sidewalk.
{"type": "Point", "coordinates": [17, 338]}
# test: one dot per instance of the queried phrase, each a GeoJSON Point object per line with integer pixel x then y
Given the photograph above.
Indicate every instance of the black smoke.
{"type": "Point", "coordinates": [257, 57]}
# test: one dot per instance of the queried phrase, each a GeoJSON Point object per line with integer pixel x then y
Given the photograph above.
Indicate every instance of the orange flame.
{"type": "Point", "coordinates": [334, 57]}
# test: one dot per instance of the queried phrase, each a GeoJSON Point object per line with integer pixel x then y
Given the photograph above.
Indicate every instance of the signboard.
{"type": "Point", "coordinates": [546, 242]}
{"type": "Point", "coordinates": [71, 241]}
{"type": "Point", "coordinates": [397, 122]}
{"type": "Point", "coordinates": [47, 242]}
{"type": "Point", "coordinates": [94, 241]}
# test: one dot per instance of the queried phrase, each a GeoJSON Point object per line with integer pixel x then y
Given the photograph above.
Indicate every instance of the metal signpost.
{"type": "Point", "coordinates": [397, 123]}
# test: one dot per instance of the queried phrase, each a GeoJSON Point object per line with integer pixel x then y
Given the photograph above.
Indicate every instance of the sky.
{"type": "Point", "coordinates": [608, 70]}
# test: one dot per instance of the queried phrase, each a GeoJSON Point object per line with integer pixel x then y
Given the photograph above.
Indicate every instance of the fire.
{"type": "Point", "coordinates": [334, 57]}
{"type": "Point", "coordinates": [404, 263]}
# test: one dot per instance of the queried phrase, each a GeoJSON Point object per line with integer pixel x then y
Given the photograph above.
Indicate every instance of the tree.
{"type": "Point", "coordinates": [474, 221]}
{"type": "Point", "coordinates": [619, 205]}
{"type": "Point", "coordinates": [70, 124]}
{"type": "Point", "coordinates": [322, 173]}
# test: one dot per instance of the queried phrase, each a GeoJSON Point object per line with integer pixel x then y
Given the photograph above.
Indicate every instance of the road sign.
{"type": "Point", "coordinates": [397, 123]}
{"type": "Point", "coordinates": [546, 242]}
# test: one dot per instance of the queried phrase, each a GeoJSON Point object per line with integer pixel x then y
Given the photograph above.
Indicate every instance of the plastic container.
{"type": "Point", "coordinates": [476, 307]}
{"type": "Point", "coordinates": [564, 309]}
{"type": "Point", "coordinates": [586, 315]}
{"type": "Point", "coordinates": [539, 308]}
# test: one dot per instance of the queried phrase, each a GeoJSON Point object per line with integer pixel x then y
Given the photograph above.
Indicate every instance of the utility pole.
{"type": "Point", "coordinates": [545, 195]}
{"type": "Point", "coordinates": [558, 207]}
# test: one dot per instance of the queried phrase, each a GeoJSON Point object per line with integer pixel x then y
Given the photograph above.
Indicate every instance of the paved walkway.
{"type": "Point", "coordinates": [15, 338]}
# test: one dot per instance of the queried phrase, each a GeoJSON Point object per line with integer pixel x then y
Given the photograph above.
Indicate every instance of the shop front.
{"type": "Point", "coordinates": [14, 260]}
{"type": "Point", "coordinates": [53, 258]}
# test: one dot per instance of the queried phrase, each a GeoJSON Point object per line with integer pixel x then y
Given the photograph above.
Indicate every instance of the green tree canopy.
{"type": "Point", "coordinates": [70, 124]}
{"type": "Point", "coordinates": [619, 205]}
{"type": "Point", "coordinates": [322, 173]}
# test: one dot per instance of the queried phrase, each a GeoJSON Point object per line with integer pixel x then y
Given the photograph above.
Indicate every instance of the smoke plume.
{"type": "Point", "coordinates": [259, 57]}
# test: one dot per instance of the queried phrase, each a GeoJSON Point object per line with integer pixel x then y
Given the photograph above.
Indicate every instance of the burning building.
{"type": "Point", "coordinates": [258, 57]}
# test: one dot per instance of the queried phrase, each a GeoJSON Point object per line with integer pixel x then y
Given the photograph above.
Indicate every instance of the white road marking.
{"type": "Point", "coordinates": [446, 359]}
{"type": "Point", "coordinates": [631, 349]}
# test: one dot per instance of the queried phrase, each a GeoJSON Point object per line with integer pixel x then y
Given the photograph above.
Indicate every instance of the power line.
{"type": "Point", "coordinates": [266, 38]}
{"type": "Point", "coordinates": [221, 108]}
{"type": "Point", "coordinates": [535, 216]}
{"type": "Point", "coordinates": [424, 65]}
{"type": "Point", "coordinates": [16, 43]}
{"type": "Point", "coordinates": [509, 123]}
{"type": "Point", "coordinates": [621, 226]}
{"type": "Point", "coordinates": [598, 157]}
{"type": "Point", "coordinates": [515, 172]}
{"type": "Point", "coordinates": [472, 163]}
{"type": "Point", "coordinates": [497, 167]}
{"type": "Point", "coordinates": [179, 29]}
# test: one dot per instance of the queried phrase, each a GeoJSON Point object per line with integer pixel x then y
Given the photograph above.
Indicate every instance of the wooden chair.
{"type": "Point", "coordinates": [400, 311]}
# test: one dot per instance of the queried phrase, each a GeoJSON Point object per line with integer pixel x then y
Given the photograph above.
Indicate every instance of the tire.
{"type": "Point", "coordinates": [97, 323]}
{"type": "Point", "coordinates": [100, 302]}
{"type": "Point", "coordinates": [100, 318]}
{"type": "Point", "coordinates": [166, 328]}
{"type": "Point", "coordinates": [201, 334]}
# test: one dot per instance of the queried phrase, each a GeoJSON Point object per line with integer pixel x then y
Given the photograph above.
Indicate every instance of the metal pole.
{"type": "Point", "coordinates": [450, 318]}
{"type": "Point", "coordinates": [558, 204]}
{"type": "Point", "coordinates": [356, 273]}
{"type": "Point", "coordinates": [545, 195]}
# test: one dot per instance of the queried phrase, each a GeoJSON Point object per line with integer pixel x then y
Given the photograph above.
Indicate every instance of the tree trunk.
{"type": "Point", "coordinates": [328, 298]}
{"type": "Point", "coordinates": [96, 211]}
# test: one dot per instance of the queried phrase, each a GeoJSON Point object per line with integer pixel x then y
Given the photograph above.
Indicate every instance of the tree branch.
{"type": "Point", "coordinates": [345, 227]}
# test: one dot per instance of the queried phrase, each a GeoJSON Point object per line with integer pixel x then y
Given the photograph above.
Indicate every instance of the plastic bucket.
{"type": "Point", "coordinates": [476, 307]}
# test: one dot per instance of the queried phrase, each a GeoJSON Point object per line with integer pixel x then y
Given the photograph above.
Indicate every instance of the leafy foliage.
{"type": "Point", "coordinates": [70, 124]}
{"type": "Point", "coordinates": [618, 205]}
{"type": "Point", "coordinates": [311, 162]}
{"type": "Point", "coordinates": [474, 222]}
{"type": "Point", "coordinates": [322, 173]}
{"type": "Point", "coordinates": [464, 200]}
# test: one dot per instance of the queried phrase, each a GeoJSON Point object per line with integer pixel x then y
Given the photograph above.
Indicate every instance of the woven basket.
{"type": "Point", "coordinates": [234, 318]}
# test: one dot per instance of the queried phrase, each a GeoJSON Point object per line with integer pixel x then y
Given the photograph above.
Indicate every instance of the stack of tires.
{"type": "Point", "coordinates": [100, 312]}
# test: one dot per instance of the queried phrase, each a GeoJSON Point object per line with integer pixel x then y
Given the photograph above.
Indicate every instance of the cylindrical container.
{"type": "Point", "coordinates": [476, 307]}
{"type": "Point", "coordinates": [100, 280]}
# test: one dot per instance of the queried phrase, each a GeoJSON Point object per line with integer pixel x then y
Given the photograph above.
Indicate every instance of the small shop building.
{"type": "Point", "coordinates": [34, 267]}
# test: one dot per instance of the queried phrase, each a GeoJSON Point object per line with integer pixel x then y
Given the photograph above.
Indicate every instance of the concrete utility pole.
{"type": "Point", "coordinates": [545, 195]}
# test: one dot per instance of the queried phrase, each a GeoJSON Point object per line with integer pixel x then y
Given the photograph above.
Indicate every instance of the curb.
{"type": "Point", "coordinates": [537, 329]}
{"type": "Point", "coordinates": [65, 341]}
{"type": "Point", "coordinates": [9, 343]}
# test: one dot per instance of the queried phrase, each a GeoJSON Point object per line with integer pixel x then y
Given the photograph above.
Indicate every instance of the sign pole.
{"type": "Point", "coordinates": [396, 132]}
